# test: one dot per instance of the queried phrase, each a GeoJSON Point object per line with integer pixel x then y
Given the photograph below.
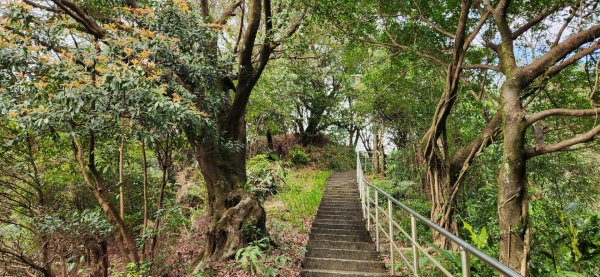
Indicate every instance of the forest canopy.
{"type": "Point", "coordinates": [191, 137]}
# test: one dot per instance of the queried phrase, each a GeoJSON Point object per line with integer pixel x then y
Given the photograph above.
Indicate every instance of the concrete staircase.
{"type": "Point", "coordinates": [339, 243]}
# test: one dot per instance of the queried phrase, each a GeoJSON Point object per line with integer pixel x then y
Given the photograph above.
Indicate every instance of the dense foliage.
{"type": "Point", "coordinates": [193, 137]}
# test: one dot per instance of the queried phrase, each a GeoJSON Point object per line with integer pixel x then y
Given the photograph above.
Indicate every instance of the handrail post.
{"type": "Point", "coordinates": [465, 263]}
{"type": "Point", "coordinates": [357, 170]}
{"type": "Point", "coordinates": [368, 209]}
{"type": "Point", "coordinates": [413, 228]}
{"type": "Point", "coordinates": [391, 233]}
{"type": "Point", "coordinates": [362, 197]}
{"type": "Point", "coordinates": [377, 220]}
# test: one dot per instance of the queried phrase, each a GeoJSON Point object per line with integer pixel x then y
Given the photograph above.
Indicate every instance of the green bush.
{"type": "Point", "coordinates": [334, 157]}
{"type": "Point", "coordinates": [265, 176]}
{"type": "Point", "coordinates": [298, 156]}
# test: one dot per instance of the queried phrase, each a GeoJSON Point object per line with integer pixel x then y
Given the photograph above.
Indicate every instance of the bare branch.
{"type": "Point", "coordinates": [564, 26]}
{"type": "Point", "coordinates": [435, 26]}
{"type": "Point", "coordinates": [472, 36]}
{"type": "Point", "coordinates": [534, 21]}
{"type": "Point", "coordinates": [227, 12]}
{"type": "Point", "coordinates": [39, 6]}
{"type": "Point", "coordinates": [564, 112]}
{"type": "Point", "coordinates": [565, 144]}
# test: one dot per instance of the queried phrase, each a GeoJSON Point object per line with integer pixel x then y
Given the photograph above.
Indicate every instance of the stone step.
{"type": "Point", "coordinates": [343, 253]}
{"type": "Point", "coordinates": [343, 264]}
{"type": "Point", "coordinates": [353, 212]}
{"type": "Point", "coordinates": [326, 217]}
{"type": "Point", "coordinates": [342, 221]}
{"type": "Point", "coordinates": [363, 246]}
{"type": "Point", "coordinates": [337, 218]}
{"type": "Point", "coordinates": [349, 238]}
{"type": "Point", "coordinates": [337, 273]}
{"type": "Point", "coordinates": [340, 204]}
{"type": "Point", "coordinates": [360, 226]}
{"type": "Point", "coordinates": [341, 197]}
{"type": "Point", "coordinates": [349, 203]}
{"type": "Point", "coordinates": [360, 231]}
{"type": "Point", "coordinates": [339, 243]}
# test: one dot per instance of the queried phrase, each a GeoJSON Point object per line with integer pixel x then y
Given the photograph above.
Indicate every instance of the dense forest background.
{"type": "Point", "coordinates": [194, 138]}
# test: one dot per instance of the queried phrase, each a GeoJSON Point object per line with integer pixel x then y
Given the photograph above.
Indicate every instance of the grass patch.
{"type": "Point", "coordinates": [300, 195]}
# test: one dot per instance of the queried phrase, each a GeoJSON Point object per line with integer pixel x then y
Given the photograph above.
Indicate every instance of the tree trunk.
{"type": "Point", "coordinates": [311, 131]}
{"type": "Point", "coordinates": [375, 156]}
{"type": "Point", "coordinates": [513, 203]}
{"type": "Point", "coordinates": [164, 158]}
{"type": "Point", "coordinates": [100, 253]}
{"type": "Point", "coordinates": [236, 215]}
{"type": "Point", "coordinates": [381, 151]}
{"type": "Point", "coordinates": [145, 188]}
{"type": "Point", "coordinates": [97, 187]}
{"type": "Point", "coordinates": [122, 179]}
{"type": "Point", "coordinates": [270, 140]}
{"type": "Point", "coordinates": [443, 204]}
{"type": "Point", "coordinates": [436, 143]}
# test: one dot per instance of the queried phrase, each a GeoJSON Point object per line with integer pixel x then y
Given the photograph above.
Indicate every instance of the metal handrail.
{"type": "Point", "coordinates": [465, 248]}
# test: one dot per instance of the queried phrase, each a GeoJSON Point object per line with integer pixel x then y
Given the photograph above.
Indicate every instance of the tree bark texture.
{"type": "Point", "coordinates": [236, 215]}
{"type": "Point", "coordinates": [513, 204]}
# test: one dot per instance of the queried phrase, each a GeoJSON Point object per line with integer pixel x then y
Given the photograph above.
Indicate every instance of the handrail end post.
{"type": "Point", "coordinates": [413, 228]}
{"type": "Point", "coordinates": [465, 263]}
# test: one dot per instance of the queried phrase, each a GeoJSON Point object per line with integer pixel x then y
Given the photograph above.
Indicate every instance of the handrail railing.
{"type": "Point", "coordinates": [466, 249]}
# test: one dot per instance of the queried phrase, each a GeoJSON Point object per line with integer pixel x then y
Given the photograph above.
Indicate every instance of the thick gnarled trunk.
{"type": "Point", "coordinates": [236, 215]}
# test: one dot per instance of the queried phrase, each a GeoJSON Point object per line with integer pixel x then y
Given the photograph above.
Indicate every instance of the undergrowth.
{"type": "Point", "coordinates": [301, 196]}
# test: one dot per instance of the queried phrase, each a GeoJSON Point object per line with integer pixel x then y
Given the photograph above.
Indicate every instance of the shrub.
{"type": "Point", "coordinates": [334, 157]}
{"type": "Point", "coordinates": [298, 156]}
{"type": "Point", "coordinates": [264, 176]}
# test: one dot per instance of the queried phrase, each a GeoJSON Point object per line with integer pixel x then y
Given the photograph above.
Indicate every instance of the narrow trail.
{"type": "Point", "coordinates": [339, 243]}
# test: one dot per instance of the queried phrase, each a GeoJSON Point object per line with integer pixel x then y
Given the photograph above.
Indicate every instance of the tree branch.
{"type": "Point", "coordinates": [76, 13]}
{"type": "Point", "coordinates": [563, 27]}
{"type": "Point", "coordinates": [472, 36]}
{"type": "Point", "coordinates": [435, 26]}
{"type": "Point", "coordinates": [559, 67]}
{"type": "Point", "coordinates": [565, 144]}
{"type": "Point", "coordinates": [481, 66]}
{"type": "Point", "coordinates": [541, 64]}
{"type": "Point", "coordinates": [39, 6]}
{"type": "Point", "coordinates": [291, 30]}
{"type": "Point", "coordinates": [249, 37]}
{"type": "Point", "coordinates": [246, 75]}
{"type": "Point", "coordinates": [534, 21]}
{"type": "Point", "coordinates": [227, 12]}
{"type": "Point", "coordinates": [564, 112]}
{"type": "Point", "coordinates": [205, 11]}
